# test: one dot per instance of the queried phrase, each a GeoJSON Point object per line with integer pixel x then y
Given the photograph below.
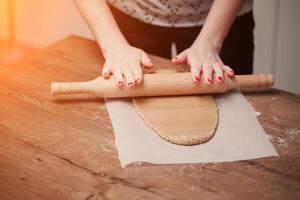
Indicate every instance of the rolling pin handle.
{"type": "Point", "coordinates": [60, 88]}
{"type": "Point", "coordinates": [269, 80]}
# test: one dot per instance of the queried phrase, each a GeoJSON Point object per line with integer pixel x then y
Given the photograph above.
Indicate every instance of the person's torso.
{"type": "Point", "coordinates": [175, 13]}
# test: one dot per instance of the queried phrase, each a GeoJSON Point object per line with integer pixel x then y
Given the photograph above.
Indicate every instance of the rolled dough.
{"type": "Point", "coordinates": [183, 120]}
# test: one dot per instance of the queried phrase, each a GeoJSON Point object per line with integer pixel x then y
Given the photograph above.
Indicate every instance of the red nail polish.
{"type": "Point", "coordinates": [120, 83]}
{"type": "Point", "coordinates": [197, 78]}
{"type": "Point", "coordinates": [209, 80]}
{"type": "Point", "coordinates": [220, 78]}
{"type": "Point", "coordinates": [130, 83]}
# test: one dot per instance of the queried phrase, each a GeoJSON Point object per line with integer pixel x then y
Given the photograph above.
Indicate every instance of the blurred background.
{"type": "Point", "coordinates": [28, 25]}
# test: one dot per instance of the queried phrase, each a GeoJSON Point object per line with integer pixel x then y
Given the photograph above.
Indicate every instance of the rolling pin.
{"type": "Point", "coordinates": [162, 85]}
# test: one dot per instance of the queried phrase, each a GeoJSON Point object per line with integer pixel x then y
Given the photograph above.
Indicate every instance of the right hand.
{"type": "Point", "coordinates": [124, 62]}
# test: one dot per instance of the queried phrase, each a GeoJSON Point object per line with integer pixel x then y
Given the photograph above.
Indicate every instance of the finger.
{"type": "Point", "coordinates": [196, 72]}
{"type": "Point", "coordinates": [146, 61]}
{"type": "Point", "coordinates": [138, 75]}
{"type": "Point", "coordinates": [228, 70]}
{"type": "Point", "coordinates": [118, 77]}
{"type": "Point", "coordinates": [180, 58]}
{"type": "Point", "coordinates": [218, 69]}
{"type": "Point", "coordinates": [106, 72]}
{"type": "Point", "coordinates": [207, 73]}
{"type": "Point", "coordinates": [128, 74]}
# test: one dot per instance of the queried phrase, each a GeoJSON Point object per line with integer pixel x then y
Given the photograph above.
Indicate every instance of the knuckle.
{"type": "Point", "coordinates": [207, 66]}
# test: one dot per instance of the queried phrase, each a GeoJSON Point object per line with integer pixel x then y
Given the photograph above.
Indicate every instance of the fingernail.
{"type": "Point", "coordinates": [220, 79]}
{"type": "Point", "coordinates": [209, 80]}
{"type": "Point", "coordinates": [197, 78]}
{"type": "Point", "coordinates": [130, 83]}
{"type": "Point", "coordinates": [120, 83]}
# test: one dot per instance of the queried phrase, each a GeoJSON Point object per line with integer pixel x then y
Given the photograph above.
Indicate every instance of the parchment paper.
{"type": "Point", "coordinates": [239, 135]}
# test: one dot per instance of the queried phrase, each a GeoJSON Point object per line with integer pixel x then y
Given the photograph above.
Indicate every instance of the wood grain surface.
{"type": "Point", "coordinates": [64, 148]}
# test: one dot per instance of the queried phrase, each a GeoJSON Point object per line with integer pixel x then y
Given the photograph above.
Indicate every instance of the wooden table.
{"type": "Point", "coordinates": [64, 148]}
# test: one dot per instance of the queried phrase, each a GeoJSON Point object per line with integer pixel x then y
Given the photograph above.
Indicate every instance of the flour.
{"type": "Point", "coordinates": [257, 113]}
{"type": "Point", "coordinates": [293, 132]}
{"type": "Point", "coordinates": [96, 116]}
{"type": "Point", "coordinates": [282, 142]}
{"type": "Point", "coordinates": [138, 163]}
{"type": "Point", "coordinates": [105, 148]}
{"type": "Point", "coordinates": [270, 137]}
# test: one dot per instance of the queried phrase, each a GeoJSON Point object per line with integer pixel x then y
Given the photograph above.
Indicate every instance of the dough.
{"type": "Point", "coordinates": [184, 120]}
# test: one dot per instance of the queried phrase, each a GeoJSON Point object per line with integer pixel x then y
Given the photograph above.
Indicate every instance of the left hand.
{"type": "Point", "coordinates": [203, 58]}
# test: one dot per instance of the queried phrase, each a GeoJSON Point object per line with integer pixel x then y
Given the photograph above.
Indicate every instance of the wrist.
{"type": "Point", "coordinates": [213, 41]}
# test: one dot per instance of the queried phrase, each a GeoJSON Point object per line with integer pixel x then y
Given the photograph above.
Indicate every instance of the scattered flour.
{"type": "Point", "coordinates": [282, 142]}
{"type": "Point", "coordinates": [270, 137]}
{"type": "Point", "coordinates": [105, 148]}
{"type": "Point", "coordinates": [192, 187]}
{"type": "Point", "coordinates": [96, 116]}
{"type": "Point", "coordinates": [137, 163]}
{"type": "Point", "coordinates": [293, 132]}
{"type": "Point", "coordinates": [257, 113]}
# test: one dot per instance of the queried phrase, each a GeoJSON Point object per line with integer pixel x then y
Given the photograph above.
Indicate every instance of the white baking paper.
{"type": "Point", "coordinates": [239, 135]}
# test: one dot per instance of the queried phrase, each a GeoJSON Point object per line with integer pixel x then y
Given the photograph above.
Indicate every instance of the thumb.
{"type": "Point", "coordinates": [146, 61]}
{"type": "Point", "coordinates": [180, 58]}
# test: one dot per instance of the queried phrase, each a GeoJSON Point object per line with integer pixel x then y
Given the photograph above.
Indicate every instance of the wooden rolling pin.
{"type": "Point", "coordinates": [162, 85]}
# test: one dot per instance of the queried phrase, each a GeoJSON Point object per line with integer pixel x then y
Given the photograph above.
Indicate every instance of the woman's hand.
{"type": "Point", "coordinates": [121, 60]}
{"type": "Point", "coordinates": [203, 55]}
{"type": "Point", "coordinates": [124, 62]}
{"type": "Point", "coordinates": [204, 60]}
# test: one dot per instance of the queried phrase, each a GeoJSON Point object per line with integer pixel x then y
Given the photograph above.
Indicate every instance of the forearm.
{"type": "Point", "coordinates": [102, 23]}
{"type": "Point", "coordinates": [219, 21]}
